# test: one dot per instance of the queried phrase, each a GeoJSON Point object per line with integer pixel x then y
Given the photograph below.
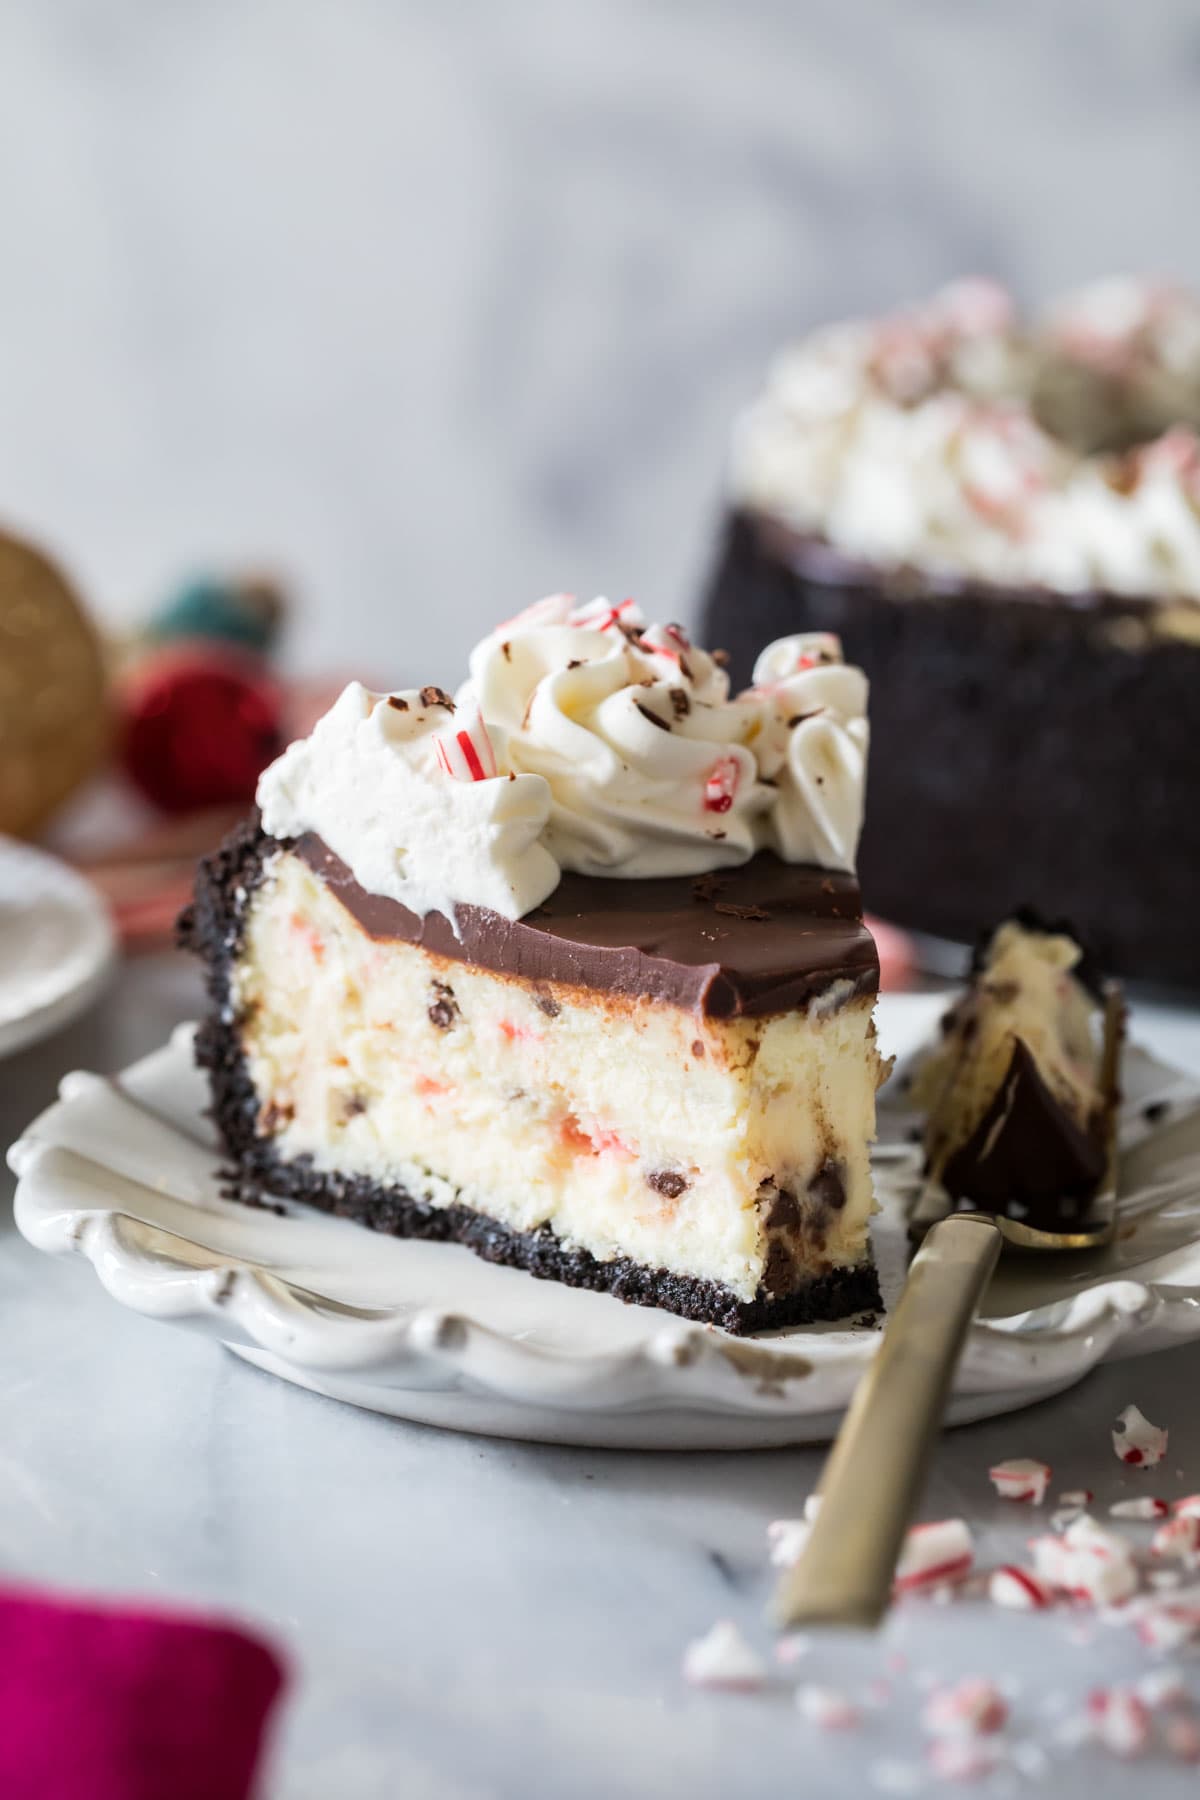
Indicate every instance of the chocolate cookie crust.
{"type": "Point", "coordinates": [213, 928]}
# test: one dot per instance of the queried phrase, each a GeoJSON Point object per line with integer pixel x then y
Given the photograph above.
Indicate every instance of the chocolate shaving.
{"type": "Point", "coordinates": [506, 651]}
{"type": "Point", "coordinates": [576, 662]}
{"type": "Point", "coordinates": [399, 704]}
{"type": "Point", "coordinates": [741, 912]}
{"type": "Point", "coordinates": [651, 716]}
{"type": "Point", "coordinates": [444, 1009]}
{"type": "Point", "coordinates": [707, 887]}
{"type": "Point", "coordinates": [436, 696]}
{"type": "Point", "coordinates": [680, 704]}
{"type": "Point", "coordinates": [720, 657]}
{"type": "Point", "coordinates": [668, 1182]}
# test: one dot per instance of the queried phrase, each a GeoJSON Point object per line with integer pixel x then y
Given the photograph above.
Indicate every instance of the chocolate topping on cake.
{"type": "Point", "coordinates": [780, 938]}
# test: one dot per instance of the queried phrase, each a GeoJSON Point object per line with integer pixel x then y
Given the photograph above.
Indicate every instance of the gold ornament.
{"type": "Point", "coordinates": [53, 714]}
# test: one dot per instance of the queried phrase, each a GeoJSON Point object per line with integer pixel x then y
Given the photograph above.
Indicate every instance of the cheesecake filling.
{"type": "Point", "coordinates": [731, 1149]}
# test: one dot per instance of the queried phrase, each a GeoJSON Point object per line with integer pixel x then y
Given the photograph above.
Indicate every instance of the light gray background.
{"type": "Point", "coordinates": [445, 305]}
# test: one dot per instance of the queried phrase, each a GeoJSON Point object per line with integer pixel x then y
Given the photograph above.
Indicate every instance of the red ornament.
{"type": "Point", "coordinates": [200, 723]}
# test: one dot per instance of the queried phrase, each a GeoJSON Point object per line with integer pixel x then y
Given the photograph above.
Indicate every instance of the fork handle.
{"type": "Point", "coordinates": [876, 1469]}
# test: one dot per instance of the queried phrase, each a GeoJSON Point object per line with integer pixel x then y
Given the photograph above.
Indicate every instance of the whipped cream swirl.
{"type": "Point", "coordinates": [649, 763]}
{"type": "Point", "coordinates": [418, 800]}
{"type": "Point", "coordinates": [953, 439]}
{"type": "Point", "coordinates": [814, 747]}
{"type": "Point", "coordinates": [587, 740]}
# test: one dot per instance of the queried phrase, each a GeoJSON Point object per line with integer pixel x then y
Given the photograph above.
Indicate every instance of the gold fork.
{"type": "Point", "coordinates": [876, 1469]}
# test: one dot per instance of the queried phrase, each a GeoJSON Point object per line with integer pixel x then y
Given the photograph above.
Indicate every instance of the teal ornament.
{"type": "Point", "coordinates": [245, 613]}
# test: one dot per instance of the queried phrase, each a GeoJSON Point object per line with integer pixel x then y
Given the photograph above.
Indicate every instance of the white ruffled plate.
{"type": "Point", "coordinates": [125, 1173]}
{"type": "Point", "coordinates": [56, 944]}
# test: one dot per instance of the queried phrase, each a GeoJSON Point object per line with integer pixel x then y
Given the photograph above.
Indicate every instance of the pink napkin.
{"type": "Point", "coordinates": [104, 1704]}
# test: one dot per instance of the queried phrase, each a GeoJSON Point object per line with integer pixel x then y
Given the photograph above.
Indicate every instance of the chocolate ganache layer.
{"type": "Point", "coordinates": [763, 938]}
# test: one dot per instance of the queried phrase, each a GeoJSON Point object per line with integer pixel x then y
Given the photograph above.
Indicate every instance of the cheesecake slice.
{"type": "Point", "coordinates": [543, 980]}
{"type": "Point", "coordinates": [667, 1093]}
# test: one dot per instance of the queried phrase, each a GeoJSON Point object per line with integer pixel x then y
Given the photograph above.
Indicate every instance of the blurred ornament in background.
{"type": "Point", "coordinates": [54, 722]}
{"type": "Point", "coordinates": [201, 710]}
{"type": "Point", "coordinates": [247, 611]}
{"type": "Point", "coordinates": [199, 723]}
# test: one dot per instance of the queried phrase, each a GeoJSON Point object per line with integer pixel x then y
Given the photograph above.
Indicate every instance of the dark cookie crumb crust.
{"type": "Point", "coordinates": [212, 927]}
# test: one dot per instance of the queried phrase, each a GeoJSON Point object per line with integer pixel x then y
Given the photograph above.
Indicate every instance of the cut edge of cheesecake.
{"type": "Point", "coordinates": [785, 1254]}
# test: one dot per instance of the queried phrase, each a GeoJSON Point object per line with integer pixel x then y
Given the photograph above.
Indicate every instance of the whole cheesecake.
{"type": "Point", "coordinates": [1002, 524]}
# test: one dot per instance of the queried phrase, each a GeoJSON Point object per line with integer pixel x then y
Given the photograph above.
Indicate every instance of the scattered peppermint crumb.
{"type": "Point", "coordinates": [786, 1539]}
{"type": "Point", "coordinates": [723, 1659]}
{"type": "Point", "coordinates": [827, 1707]}
{"type": "Point", "coordinates": [1019, 1589]}
{"type": "Point", "coordinates": [973, 1707]}
{"type": "Point", "coordinates": [1076, 1497]}
{"type": "Point", "coordinates": [1120, 1721]}
{"type": "Point", "coordinates": [963, 1759]}
{"type": "Point", "coordinates": [791, 1648]}
{"type": "Point", "coordinates": [1145, 1507]}
{"type": "Point", "coordinates": [1021, 1479]}
{"type": "Point", "coordinates": [1136, 1441]}
{"type": "Point", "coordinates": [1163, 1689]}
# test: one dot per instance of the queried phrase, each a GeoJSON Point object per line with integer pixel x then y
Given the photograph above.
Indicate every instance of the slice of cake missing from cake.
{"type": "Point", "coordinates": [619, 1073]}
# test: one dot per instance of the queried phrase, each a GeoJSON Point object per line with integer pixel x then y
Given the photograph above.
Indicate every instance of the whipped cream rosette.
{"type": "Point", "coordinates": [813, 746]}
{"type": "Point", "coordinates": [584, 740]}
{"type": "Point", "coordinates": [648, 762]}
{"type": "Point", "coordinates": [389, 782]}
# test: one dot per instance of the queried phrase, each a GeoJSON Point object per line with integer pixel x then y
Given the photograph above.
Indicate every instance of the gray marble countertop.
{"type": "Point", "coordinates": [468, 1618]}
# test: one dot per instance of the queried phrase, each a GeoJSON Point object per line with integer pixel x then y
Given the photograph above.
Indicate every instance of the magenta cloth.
{"type": "Point", "coordinates": [101, 1703]}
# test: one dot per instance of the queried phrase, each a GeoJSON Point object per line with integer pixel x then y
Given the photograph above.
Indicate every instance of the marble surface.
{"type": "Point", "coordinates": [472, 1620]}
{"type": "Point", "coordinates": [446, 306]}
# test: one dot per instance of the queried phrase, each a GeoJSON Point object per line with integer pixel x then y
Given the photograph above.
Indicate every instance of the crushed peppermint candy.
{"type": "Point", "coordinates": [963, 1759]}
{"type": "Point", "coordinates": [827, 1707]}
{"type": "Point", "coordinates": [1087, 1562]}
{"type": "Point", "coordinates": [1136, 1441]}
{"type": "Point", "coordinates": [1019, 1589]}
{"type": "Point", "coordinates": [1163, 1689]}
{"type": "Point", "coordinates": [1145, 1507]}
{"type": "Point", "coordinates": [464, 750]}
{"type": "Point", "coordinates": [1119, 1720]}
{"type": "Point", "coordinates": [1079, 1498]}
{"type": "Point", "coordinates": [1168, 1624]}
{"type": "Point", "coordinates": [1021, 1479]}
{"type": "Point", "coordinates": [1179, 1538]}
{"type": "Point", "coordinates": [1188, 1507]}
{"type": "Point", "coordinates": [973, 1707]}
{"type": "Point", "coordinates": [723, 1659]}
{"type": "Point", "coordinates": [933, 1554]}
{"type": "Point", "coordinates": [721, 785]}
{"type": "Point", "coordinates": [786, 1539]}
